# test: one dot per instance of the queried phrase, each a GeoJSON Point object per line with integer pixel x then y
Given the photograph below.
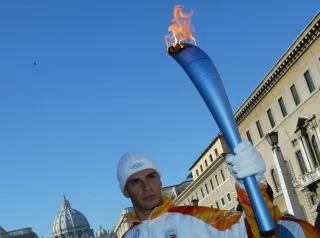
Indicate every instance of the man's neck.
{"type": "Point", "coordinates": [143, 215]}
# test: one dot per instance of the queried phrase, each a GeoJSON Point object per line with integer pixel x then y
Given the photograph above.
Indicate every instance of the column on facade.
{"type": "Point", "coordinates": [309, 156]}
{"type": "Point", "coordinates": [317, 134]}
{"type": "Point", "coordinates": [289, 192]}
{"type": "Point", "coordinates": [282, 180]}
{"type": "Point", "coordinates": [304, 154]}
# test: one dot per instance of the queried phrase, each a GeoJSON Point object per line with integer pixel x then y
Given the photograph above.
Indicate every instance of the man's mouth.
{"type": "Point", "coordinates": [149, 197]}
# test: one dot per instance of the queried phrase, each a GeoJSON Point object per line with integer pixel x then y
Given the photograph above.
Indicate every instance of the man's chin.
{"type": "Point", "coordinates": [152, 203]}
{"type": "Point", "coordinates": [150, 199]}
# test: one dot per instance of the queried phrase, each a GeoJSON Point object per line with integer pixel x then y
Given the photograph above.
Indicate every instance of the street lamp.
{"type": "Point", "coordinates": [195, 202]}
{"type": "Point", "coordinates": [272, 138]}
{"type": "Point", "coordinates": [289, 192]}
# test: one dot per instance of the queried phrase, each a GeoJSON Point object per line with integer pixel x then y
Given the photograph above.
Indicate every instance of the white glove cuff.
{"type": "Point", "coordinates": [258, 178]}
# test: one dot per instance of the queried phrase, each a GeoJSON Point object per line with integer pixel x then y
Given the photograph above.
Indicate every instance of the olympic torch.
{"type": "Point", "coordinates": [204, 75]}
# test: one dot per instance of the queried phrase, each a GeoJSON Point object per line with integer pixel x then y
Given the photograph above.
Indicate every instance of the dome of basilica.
{"type": "Point", "coordinates": [70, 223]}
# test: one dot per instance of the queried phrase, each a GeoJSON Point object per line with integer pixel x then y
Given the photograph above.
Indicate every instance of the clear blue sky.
{"type": "Point", "coordinates": [104, 85]}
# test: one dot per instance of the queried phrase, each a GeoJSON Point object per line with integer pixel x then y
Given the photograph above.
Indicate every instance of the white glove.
{"type": "Point", "coordinates": [247, 161]}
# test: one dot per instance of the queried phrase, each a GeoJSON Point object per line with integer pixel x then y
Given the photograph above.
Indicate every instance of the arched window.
{"type": "Point", "coordinates": [301, 162]}
{"type": "Point", "coordinates": [275, 180]}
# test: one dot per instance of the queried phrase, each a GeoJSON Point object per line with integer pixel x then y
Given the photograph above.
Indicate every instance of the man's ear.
{"type": "Point", "coordinates": [125, 193]}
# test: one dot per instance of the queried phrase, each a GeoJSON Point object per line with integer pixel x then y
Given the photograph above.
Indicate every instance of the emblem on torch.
{"type": "Point", "coordinates": [204, 75]}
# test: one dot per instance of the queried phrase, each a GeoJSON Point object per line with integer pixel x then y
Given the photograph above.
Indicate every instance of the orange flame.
{"type": "Point", "coordinates": [181, 28]}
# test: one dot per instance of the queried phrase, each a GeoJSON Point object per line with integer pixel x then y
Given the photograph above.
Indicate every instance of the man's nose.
{"type": "Point", "coordinates": [146, 185]}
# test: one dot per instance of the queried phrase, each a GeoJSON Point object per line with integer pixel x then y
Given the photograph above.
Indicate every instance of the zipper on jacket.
{"type": "Point", "coordinates": [148, 223]}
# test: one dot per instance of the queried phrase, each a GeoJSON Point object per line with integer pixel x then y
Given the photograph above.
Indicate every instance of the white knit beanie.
{"type": "Point", "coordinates": [131, 163]}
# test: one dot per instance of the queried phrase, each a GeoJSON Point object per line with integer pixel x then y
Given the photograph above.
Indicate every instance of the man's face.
{"type": "Point", "coordinates": [144, 189]}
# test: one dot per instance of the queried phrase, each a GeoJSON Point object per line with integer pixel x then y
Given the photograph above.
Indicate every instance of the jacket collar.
{"type": "Point", "coordinates": [167, 204]}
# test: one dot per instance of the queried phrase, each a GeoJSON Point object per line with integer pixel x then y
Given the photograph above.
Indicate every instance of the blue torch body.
{"type": "Point", "coordinates": [204, 75]}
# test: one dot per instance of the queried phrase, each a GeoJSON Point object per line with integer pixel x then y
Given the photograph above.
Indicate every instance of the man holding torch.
{"type": "Point", "coordinates": [139, 177]}
{"type": "Point", "coordinates": [157, 216]}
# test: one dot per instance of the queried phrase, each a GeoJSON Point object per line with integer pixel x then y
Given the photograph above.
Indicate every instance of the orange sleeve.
{"type": "Point", "coordinates": [308, 230]}
{"type": "Point", "coordinates": [247, 208]}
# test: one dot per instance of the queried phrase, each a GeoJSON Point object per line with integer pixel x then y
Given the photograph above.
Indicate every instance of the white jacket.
{"type": "Point", "coordinates": [172, 221]}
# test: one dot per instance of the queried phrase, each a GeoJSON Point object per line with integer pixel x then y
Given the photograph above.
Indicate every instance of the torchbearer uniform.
{"type": "Point", "coordinates": [173, 221]}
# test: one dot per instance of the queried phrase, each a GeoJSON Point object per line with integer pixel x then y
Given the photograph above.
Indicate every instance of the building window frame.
{"type": "Point", "coordinates": [222, 174]}
{"type": "Point", "coordinates": [211, 158]}
{"type": "Point", "coordinates": [309, 81]}
{"type": "Point", "coordinates": [258, 124]}
{"type": "Point", "coordinates": [295, 95]}
{"type": "Point", "coordinates": [211, 183]}
{"type": "Point", "coordinates": [229, 197]}
{"type": "Point", "coordinates": [217, 179]}
{"type": "Point", "coordinates": [249, 136]}
{"type": "Point", "coordinates": [207, 189]}
{"type": "Point", "coordinates": [282, 106]}
{"type": "Point", "coordinates": [271, 118]}
{"type": "Point", "coordinates": [301, 162]}
{"type": "Point", "coordinates": [222, 201]}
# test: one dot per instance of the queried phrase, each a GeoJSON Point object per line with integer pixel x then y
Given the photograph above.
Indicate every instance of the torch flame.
{"type": "Point", "coordinates": [181, 28]}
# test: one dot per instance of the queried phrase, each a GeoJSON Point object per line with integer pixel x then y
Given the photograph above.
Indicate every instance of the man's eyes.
{"type": "Point", "coordinates": [138, 181]}
{"type": "Point", "coordinates": [152, 175]}
{"type": "Point", "coordinates": [134, 182]}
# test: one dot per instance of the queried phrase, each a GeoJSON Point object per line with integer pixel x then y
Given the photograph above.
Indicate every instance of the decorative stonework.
{"type": "Point", "coordinates": [273, 167]}
{"type": "Point", "coordinates": [290, 168]}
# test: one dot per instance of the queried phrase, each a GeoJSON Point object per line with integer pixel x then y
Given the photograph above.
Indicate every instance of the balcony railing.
{"type": "Point", "coordinates": [310, 177]}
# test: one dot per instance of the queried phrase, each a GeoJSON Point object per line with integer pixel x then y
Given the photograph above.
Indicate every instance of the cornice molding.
{"type": "Point", "coordinates": [302, 43]}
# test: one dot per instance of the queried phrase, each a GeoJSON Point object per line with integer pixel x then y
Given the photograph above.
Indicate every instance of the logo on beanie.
{"type": "Point", "coordinates": [137, 165]}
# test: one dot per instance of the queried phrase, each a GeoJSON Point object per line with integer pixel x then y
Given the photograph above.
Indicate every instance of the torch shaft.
{"type": "Point", "coordinates": [216, 100]}
{"type": "Point", "coordinates": [206, 79]}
